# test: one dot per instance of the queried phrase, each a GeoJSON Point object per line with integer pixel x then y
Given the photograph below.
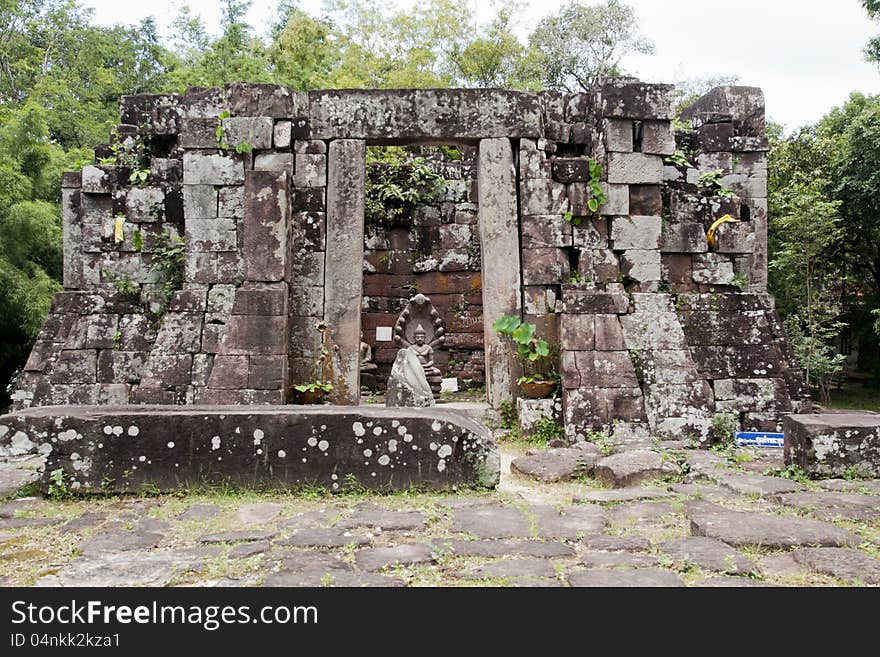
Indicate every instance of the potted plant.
{"type": "Point", "coordinates": [313, 392]}
{"type": "Point", "coordinates": [539, 374]}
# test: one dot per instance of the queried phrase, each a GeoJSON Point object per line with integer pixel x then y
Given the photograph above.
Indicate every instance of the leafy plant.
{"type": "Point", "coordinates": [739, 281]}
{"type": "Point", "coordinates": [547, 429]}
{"type": "Point", "coordinates": [723, 426]}
{"type": "Point", "coordinates": [314, 386]}
{"type": "Point", "coordinates": [128, 290]}
{"type": "Point", "coordinates": [679, 158]}
{"type": "Point", "coordinates": [169, 255]}
{"type": "Point", "coordinates": [321, 369]}
{"type": "Point", "coordinates": [534, 352]}
{"type": "Point", "coordinates": [58, 488]}
{"type": "Point", "coordinates": [597, 194]}
{"type": "Point", "coordinates": [398, 183]}
{"type": "Point", "coordinates": [509, 416]}
{"type": "Point", "coordinates": [220, 131]}
{"type": "Point", "coordinates": [244, 147]}
{"type": "Point", "coordinates": [710, 182]}
{"type": "Point", "coordinates": [137, 240]}
{"type": "Point", "coordinates": [139, 176]}
{"type": "Point", "coordinates": [572, 219]}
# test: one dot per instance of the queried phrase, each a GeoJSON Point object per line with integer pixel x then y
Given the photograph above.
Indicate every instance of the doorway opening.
{"type": "Point", "coordinates": [421, 236]}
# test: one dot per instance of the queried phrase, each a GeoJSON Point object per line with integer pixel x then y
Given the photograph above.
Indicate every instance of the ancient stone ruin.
{"type": "Point", "coordinates": [589, 213]}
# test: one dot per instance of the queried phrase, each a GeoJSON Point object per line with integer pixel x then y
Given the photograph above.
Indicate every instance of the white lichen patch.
{"type": "Point", "coordinates": [258, 436]}
{"type": "Point", "coordinates": [395, 424]}
{"type": "Point", "coordinates": [444, 451]}
{"type": "Point", "coordinates": [312, 442]}
{"type": "Point", "coordinates": [215, 443]}
{"type": "Point", "coordinates": [408, 438]}
{"type": "Point", "coordinates": [433, 447]}
{"type": "Point", "coordinates": [377, 431]}
{"type": "Point", "coordinates": [323, 445]}
{"type": "Point", "coordinates": [436, 426]}
{"type": "Point", "coordinates": [392, 445]}
{"type": "Point", "coordinates": [281, 453]}
{"type": "Point", "coordinates": [142, 458]}
{"type": "Point", "coordinates": [368, 453]}
{"type": "Point", "coordinates": [358, 429]}
{"type": "Point", "coordinates": [384, 459]}
{"type": "Point", "coordinates": [118, 430]}
{"type": "Point", "coordinates": [64, 436]}
{"type": "Point", "coordinates": [133, 431]}
{"type": "Point", "coordinates": [441, 465]}
{"type": "Point", "coordinates": [108, 430]}
{"type": "Point", "coordinates": [171, 444]}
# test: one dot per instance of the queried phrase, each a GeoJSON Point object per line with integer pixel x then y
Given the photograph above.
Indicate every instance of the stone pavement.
{"type": "Point", "coordinates": [664, 515]}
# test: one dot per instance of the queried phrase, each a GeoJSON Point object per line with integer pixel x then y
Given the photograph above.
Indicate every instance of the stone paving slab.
{"type": "Point", "coordinates": [642, 577]}
{"type": "Point", "coordinates": [502, 548]}
{"type": "Point", "coordinates": [383, 519]}
{"type": "Point", "coordinates": [632, 467]}
{"type": "Point", "coordinates": [720, 581]}
{"type": "Point", "coordinates": [568, 523]}
{"type": "Point", "coordinates": [511, 568]}
{"type": "Point", "coordinates": [621, 495]}
{"type": "Point", "coordinates": [336, 578]}
{"type": "Point", "coordinates": [739, 528]}
{"type": "Point", "coordinates": [119, 541]}
{"type": "Point", "coordinates": [755, 484]}
{"type": "Point", "coordinates": [848, 565]}
{"type": "Point", "coordinates": [323, 538]}
{"type": "Point", "coordinates": [199, 512]}
{"type": "Point", "coordinates": [555, 464]}
{"type": "Point", "coordinates": [237, 536]}
{"type": "Point", "coordinates": [377, 558]}
{"type": "Point", "coordinates": [831, 505]}
{"type": "Point", "coordinates": [491, 521]}
{"type": "Point", "coordinates": [709, 554]}
{"type": "Point", "coordinates": [258, 514]}
{"type": "Point", "coordinates": [157, 568]}
{"type": "Point", "coordinates": [616, 543]}
{"type": "Point", "coordinates": [618, 560]}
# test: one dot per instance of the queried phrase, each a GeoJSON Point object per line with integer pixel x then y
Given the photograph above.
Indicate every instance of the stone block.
{"type": "Point", "coordinates": [712, 269]}
{"type": "Point", "coordinates": [273, 162]}
{"type": "Point", "coordinates": [267, 372]}
{"type": "Point", "coordinates": [641, 265]}
{"type": "Point", "coordinates": [96, 180]}
{"type": "Point", "coordinates": [268, 299]}
{"type": "Point", "coordinates": [310, 171]}
{"type": "Point", "coordinates": [617, 199]}
{"type": "Point", "coordinates": [215, 234]}
{"type": "Point", "coordinates": [255, 131]}
{"type": "Point", "coordinates": [571, 169]}
{"type": "Point", "coordinates": [635, 168]}
{"type": "Point", "coordinates": [413, 114]}
{"type": "Point", "coordinates": [637, 100]}
{"type": "Point", "coordinates": [345, 249]}
{"type": "Point", "coordinates": [645, 200]}
{"type": "Point", "coordinates": [543, 196]}
{"type": "Point", "coordinates": [657, 138]}
{"type": "Point", "coordinates": [189, 437]}
{"type": "Point", "coordinates": [314, 146]}
{"type": "Point", "coordinates": [534, 164]}
{"type": "Point", "coordinates": [592, 233]}
{"type": "Point", "coordinates": [608, 334]}
{"type": "Point", "coordinates": [545, 231]}
{"type": "Point", "coordinates": [618, 135]}
{"type": "Point", "coordinates": [684, 237]}
{"type": "Point", "coordinates": [636, 232]}
{"type": "Point", "coordinates": [230, 201]}
{"type": "Point", "coordinates": [266, 225]}
{"type": "Point", "coordinates": [735, 238]}
{"type": "Point", "coordinates": [199, 201]}
{"type": "Point", "coordinates": [576, 300]}
{"type": "Point", "coordinates": [577, 332]}
{"type": "Point", "coordinates": [545, 266]}
{"type": "Point", "coordinates": [120, 366]}
{"type": "Point", "coordinates": [281, 134]}
{"type": "Point", "coordinates": [212, 169]}
{"type": "Point", "coordinates": [539, 299]}
{"type": "Point", "coordinates": [259, 99]}
{"type": "Point", "coordinates": [598, 265]}
{"type": "Point", "coordinates": [198, 133]}
{"type": "Point", "coordinates": [144, 204]}
{"type": "Point", "coordinates": [255, 335]}
{"type": "Point", "coordinates": [76, 366]}
{"type": "Point", "coordinates": [213, 267]}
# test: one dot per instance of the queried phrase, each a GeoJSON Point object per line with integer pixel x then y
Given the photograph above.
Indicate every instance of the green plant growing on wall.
{"type": "Point", "coordinates": [679, 159]}
{"type": "Point", "coordinates": [710, 183]}
{"type": "Point", "coordinates": [244, 147]}
{"type": "Point", "coordinates": [597, 194]}
{"type": "Point", "coordinates": [739, 281]}
{"type": "Point", "coordinates": [220, 131]}
{"type": "Point", "coordinates": [58, 488]}
{"type": "Point", "coordinates": [169, 256]}
{"type": "Point", "coordinates": [322, 373]}
{"type": "Point", "coordinates": [723, 426]}
{"type": "Point", "coordinates": [127, 290]}
{"type": "Point", "coordinates": [397, 183]}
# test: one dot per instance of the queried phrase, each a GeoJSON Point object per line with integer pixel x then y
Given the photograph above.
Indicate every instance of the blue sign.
{"type": "Point", "coordinates": [759, 439]}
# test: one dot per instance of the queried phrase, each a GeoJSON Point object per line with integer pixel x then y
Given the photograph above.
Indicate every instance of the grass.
{"type": "Point", "coordinates": [854, 395]}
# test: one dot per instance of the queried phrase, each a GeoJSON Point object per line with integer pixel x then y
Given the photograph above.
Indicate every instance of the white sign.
{"type": "Point", "coordinates": [383, 334]}
{"type": "Point", "coordinates": [449, 385]}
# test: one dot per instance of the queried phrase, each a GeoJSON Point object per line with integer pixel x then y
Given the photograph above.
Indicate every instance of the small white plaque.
{"type": "Point", "coordinates": [449, 385]}
{"type": "Point", "coordinates": [383, 334]}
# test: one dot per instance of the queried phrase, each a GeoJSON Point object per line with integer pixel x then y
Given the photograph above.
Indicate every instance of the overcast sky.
{"type": "Point", "coordinates": [805, 54]}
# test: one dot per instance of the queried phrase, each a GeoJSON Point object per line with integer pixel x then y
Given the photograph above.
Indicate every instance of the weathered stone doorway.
{"type": "Point", "coordinates": [498, 231]}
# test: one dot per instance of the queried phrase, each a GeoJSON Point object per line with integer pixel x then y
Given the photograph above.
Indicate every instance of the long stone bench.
{"type": "Point", "coordinates": [130, 448]}
{"type": "Point", "coordinates": [834, 443]}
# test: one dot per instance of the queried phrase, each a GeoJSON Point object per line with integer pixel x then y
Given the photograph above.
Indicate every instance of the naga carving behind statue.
{"type": "Point", "coordinates": [419, 328]}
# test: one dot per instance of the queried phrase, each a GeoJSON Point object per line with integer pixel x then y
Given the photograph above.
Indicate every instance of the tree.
{"type": "Point", "coordinates": [583, 44]}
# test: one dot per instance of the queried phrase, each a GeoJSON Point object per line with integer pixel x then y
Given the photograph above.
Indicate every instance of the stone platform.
{"type": "Point", "coordinates": [131, 448]}
{"type": "Point", "coordinates": [834, 443]}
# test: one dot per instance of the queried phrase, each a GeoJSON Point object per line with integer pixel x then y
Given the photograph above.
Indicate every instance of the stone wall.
{"type": "Point", "coordinates": [657, 327]}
